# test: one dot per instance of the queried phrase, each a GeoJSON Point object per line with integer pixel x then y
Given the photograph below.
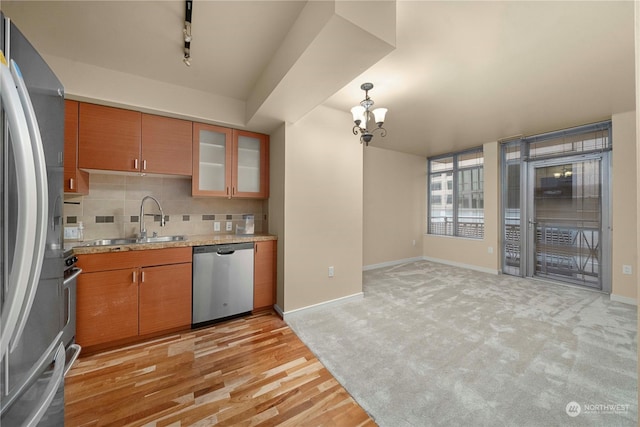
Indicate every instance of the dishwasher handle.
{"type": "Point", "coordinates": [225, 251]}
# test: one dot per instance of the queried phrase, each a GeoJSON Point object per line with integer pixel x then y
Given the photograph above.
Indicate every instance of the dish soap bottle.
{"type": "Point", "coordinates": [80, 231]}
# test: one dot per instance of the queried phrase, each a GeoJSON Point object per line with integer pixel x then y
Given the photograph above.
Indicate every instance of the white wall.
{"type": "Point", "coordinates": [322, 213]}
{"type": "Point", "coordinates": [276, 203]}
{"type": "Point", "coordinates": [624, 212]}
{"type": "Point", "coordinates": [89, 83]}
{"type": "Point", "coordinates": [394, 205]}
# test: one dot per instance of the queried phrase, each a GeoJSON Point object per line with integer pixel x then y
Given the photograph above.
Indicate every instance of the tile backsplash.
{"type": "Point", "coordinates": [112, 208]}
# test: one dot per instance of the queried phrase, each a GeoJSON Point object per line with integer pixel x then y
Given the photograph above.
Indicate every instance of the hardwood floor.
{"type": "Point", "coordinates": [245, 372]}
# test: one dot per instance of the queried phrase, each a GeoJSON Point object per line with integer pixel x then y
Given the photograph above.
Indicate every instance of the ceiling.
{"type": "Point", "coordinates": [461, 73]}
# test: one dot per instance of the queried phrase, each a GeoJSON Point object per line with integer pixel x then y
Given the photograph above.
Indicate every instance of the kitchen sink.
{"type": "Point", "coordinates": [110, 242]}
{"type": "Point", "coordinates": [160, 239]}
{"type": "Point", "coordinates": [134, 240]}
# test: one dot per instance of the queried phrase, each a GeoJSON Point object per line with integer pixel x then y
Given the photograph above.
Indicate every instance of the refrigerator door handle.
{"type": "Point", "coordinates": [76, 349]}
{"type": "Point", "coordinates": [42, 196]}
{"type": "Point", "coordinates": [27, 202]}
{"type": "Point", "coordinates": [56, 378]}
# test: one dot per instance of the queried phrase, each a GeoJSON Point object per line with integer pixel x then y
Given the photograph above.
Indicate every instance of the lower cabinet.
{"type": "Point", "coordinates": [106, 307]}
{"type": "Point", "coordinates": [127, 294]}
{"type": "Point", "coordinates": [264, 275]}
{"type": "Point", "coordinates": [165, 298]}
{"type": "Point", "coordinates": [124, 295]}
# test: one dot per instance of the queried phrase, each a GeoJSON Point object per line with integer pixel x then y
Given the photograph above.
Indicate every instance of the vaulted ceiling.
{"type": "Point", "coordinates": [452, 74]}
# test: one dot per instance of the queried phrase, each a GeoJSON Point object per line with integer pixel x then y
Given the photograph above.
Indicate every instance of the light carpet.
{"type": "Point", "coordinates": [431, 344]}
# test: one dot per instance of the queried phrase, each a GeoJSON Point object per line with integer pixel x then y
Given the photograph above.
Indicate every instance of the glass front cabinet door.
{"type": "Point", "coordinates": [250, 165]}
{"type": "Point", "coordinates": [211, 160]}
{"type": "Point", "coordinates": [229, 163]}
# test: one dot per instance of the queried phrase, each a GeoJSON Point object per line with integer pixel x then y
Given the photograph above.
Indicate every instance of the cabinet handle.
{"type": "Point", "coordinates": [135, 163]}
{"type": "Point", "coordinates": [233, 190]}
{"type": "Point", "coordinates": [144, 165]}
{"type": "Point", "coordinates": [142, 277]}
{"type": "Point", "coordinates": [135, 276]}
{"type": "Point", "coordinates": [228, 194]}
{"type": "Point", "coordinates": [71, 184]}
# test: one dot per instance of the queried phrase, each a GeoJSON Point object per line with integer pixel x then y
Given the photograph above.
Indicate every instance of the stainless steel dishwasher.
{"type": "Point", "coordinates": [222, 282]}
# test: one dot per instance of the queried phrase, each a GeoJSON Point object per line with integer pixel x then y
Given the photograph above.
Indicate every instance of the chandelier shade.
{"type": "Point", "coordinates": [379, 114]}
{"type": "Point", "coordinates": [358, 114]}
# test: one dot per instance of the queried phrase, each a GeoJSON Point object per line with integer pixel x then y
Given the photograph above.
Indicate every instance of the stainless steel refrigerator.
{"type": "Point", "coordinates": [31, 253]}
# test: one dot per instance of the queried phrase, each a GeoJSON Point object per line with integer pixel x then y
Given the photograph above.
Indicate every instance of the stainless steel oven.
{"type": "Point", "coordinates": [70, 286]}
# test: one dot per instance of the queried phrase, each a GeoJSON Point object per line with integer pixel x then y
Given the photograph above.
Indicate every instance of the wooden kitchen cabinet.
{"type": "Point", "coordinates": [166, 145]}
{"type": "Point", "coordinates": [106, 307]}
{"type": "Point", "coordinates": [75, 180]}
{"type": "Point", "coordinates": [229, 163]}
{"type": "Point", "coordinates": [122, 140]}
{"type": "Point", "coordinates": [165, 298]}
{"type": "Point", "coordinates": [211, 160]}
{"type": "Point", "coordinates": [264, 275]}
{"type": "Point", "coordinates": [124, 295]}
{"type": "Point", "coordinates": [250, 165]}
{"type": "Point", "coordinates": [109, 138]}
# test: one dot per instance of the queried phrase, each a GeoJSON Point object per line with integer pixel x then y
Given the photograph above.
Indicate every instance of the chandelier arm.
{"type": "Point", "coordinates": [383, 131]}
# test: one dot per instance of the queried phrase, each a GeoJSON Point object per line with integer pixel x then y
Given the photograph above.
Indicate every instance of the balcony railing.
{"type": "Point", "coordinates": [568, 252]}
{"type": "Point", "coordinates": [470, 227]}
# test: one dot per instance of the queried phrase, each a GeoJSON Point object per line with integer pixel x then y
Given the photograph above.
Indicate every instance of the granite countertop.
{"type": "Point", "coordinates": [196, 240]}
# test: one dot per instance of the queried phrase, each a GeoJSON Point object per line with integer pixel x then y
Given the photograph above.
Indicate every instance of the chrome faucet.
{"type": "Point", "coordinates": [143, 230]}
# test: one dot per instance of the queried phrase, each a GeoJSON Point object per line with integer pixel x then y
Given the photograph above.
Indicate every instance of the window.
{"type": "Point", "coordinates": [462, 214]}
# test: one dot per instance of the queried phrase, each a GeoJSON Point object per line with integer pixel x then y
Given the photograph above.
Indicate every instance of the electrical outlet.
{"type": "Point", "coordinates": [71, 232]}
{"type": "Point", "coordinates": [413, 243]}
{"type": "Point", "coordinates": [626, 269]}
{"type": "Point", "coordinates": [331, 271]}
{"type": "Point", "coordinates": [216, 226]}
{"type": "Point", "coordinates": [229, 226]}
{"type": "Point", "coordinates": [490, 249]}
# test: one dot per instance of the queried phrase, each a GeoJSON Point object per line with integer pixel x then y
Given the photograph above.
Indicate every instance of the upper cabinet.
{"type": "Point", "coordinates": [229, 163]}
{"type": "Point", "coordinates": [212, 153]}
{"type": "Point", "coordinates": [129, 141]}
{"type": "Point", "coordinates": [75, 180]}
{"type": "Point", "coordinates": [222, 162]}
{"type": "Point", "coordinates": [109, 138]}
{"type": "Point", "coordinates": [250, 166]}
{"type": "Point", "coordinates": [166, 145]}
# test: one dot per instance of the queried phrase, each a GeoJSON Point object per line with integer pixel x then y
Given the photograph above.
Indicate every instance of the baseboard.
{"type": "Point", "coordinates": [324, 304]}
{"type": "Point", "coordinates": [391, 263]}
{"type": "Point", "coordinates": [624, 300]}
{"type": "Point", "coordinates": [461, 265]}
{"type": "Point", "coordinates": [278, 310]}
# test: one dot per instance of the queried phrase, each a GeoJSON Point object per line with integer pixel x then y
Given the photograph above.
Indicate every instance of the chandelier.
{"type": "Point", "coordinates": [362, 115]}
